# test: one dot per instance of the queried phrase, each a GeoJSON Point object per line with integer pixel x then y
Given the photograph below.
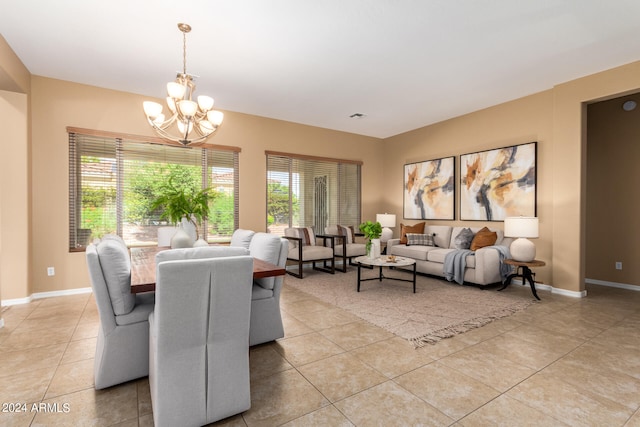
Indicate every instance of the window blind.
{"type": "Point", "coordinates": [305, 191]}
{"type": "Point", "coordinates": [114, 181]}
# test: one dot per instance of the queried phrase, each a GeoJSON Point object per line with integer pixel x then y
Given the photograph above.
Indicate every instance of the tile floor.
{"type": "Point", "coordinates": [563, 361]}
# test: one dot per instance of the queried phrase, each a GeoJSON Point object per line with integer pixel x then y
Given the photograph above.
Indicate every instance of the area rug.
{"type": "Point", "coordinates": [439, 309]}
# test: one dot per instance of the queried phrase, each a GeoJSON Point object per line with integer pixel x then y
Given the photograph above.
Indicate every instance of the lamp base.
{"type": "Point", "coordinates": [523, 250]}
{"type": "Point", "coordinates": [386, 234]}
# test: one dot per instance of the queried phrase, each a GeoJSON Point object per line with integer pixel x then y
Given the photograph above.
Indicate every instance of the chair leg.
{"type": "Point", "coordinates": [344, 263]}
{"type": "Point", "coordinates": [299, 274]}
{"type": "Point", "coordinates": [324, 267]}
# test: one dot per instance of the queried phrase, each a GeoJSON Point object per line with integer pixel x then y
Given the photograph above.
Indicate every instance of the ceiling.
{"type": "Point", "coordinates": [404, 64]}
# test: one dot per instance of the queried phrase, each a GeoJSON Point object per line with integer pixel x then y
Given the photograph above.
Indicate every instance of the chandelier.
{"type": "Point", "coordinates": [190, 121]}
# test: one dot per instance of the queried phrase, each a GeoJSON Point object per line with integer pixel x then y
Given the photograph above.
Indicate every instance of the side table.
{"type": "Point", "coordinates": [526, 273]}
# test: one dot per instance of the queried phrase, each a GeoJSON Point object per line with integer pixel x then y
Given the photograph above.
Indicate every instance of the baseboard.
{"type": "Point", "coordinates": [40, 295]}
{"type": "Point", "coordinates": [613, 284]}
{"type": "Point", "coordinates": [558, 291]}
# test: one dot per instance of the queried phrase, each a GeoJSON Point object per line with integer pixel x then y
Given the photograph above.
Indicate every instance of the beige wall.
{"type": "Point", "coordinates": [555, 118]}
{"type": "Point", "coordinates": [14, 196]}
{"type": "Point", "coordinates": [569, 167]}
{"type": "Point", "coordinates": [613, 176]}
{"type": "Point", "coordinates": [58, 104]}
{"type": "Point", "coordinates": [517, 122]}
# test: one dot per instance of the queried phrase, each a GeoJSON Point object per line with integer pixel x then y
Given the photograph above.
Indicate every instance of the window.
{"type": "Point", "coordinates": [305, 191]}
{"type": "Point", "coordinates": [113, 181]}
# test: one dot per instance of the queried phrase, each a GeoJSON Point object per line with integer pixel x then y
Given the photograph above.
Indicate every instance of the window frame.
{"type": "Point", "coordinates": [335, 216]}
{"type": "Point", "coordinates": [118, 139]}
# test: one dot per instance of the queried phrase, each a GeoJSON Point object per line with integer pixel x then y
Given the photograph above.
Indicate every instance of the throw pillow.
{"type": "Point", "coordinates": [404, 229]}
{"type": "Point", "coordinates": [305, 233]}
{"type": "Point", "coordinates": [420, 239]}
{"type": "Point", "coordinates": [463, 239]}
{"type": "Point", "coordinates": [483, 238]}
{"type": "Point", "coordinates": [347, 232]}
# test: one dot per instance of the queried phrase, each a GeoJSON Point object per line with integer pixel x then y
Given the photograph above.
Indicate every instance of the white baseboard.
{"type": "Point", "coordinates": [40, 295]}
{"type": "Point", "coordinates": [543, 287]}
{"type": "Point", "coordinates": [613, 284]}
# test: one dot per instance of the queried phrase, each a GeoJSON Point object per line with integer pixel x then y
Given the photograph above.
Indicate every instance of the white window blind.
{"type": "Point", "coordinates": [114, 181]}
{"type": "Point", "coordinates": [305, 191]}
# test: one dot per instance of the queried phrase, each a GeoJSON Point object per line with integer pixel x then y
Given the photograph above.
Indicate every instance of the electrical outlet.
{"type": "Point", "coordinates": [618, 265]}
{"type": "Point", "coordinates": [51, 271]}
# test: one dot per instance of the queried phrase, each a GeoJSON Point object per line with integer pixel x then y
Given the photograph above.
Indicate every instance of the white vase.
{"type": "Point", "coordinates": [181, 240]}
{"type": "Point", "coordinates": [374, 252]}
{"type": "Point", "coordinates": [200, 243]}
{"type": "Point", "coordinates": [189, 228]}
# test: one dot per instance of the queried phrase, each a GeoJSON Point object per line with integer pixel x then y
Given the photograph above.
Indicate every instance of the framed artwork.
{"type": "Point", "coordinates": [429, 189]}
{"type": "Point", "coordinates": [498, 183]}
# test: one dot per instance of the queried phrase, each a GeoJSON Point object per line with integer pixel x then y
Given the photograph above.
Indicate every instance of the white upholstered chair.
{"type": "Point", "coordinates": [241, 238]}
{"type": "Point", "coordinates": [345, 245]}
{"type": "Point", "coordinates": [305, 246]}
{"type": "Point", "coordinates": [266, 320]}
{"type": "Point", "coordinates": [199, 336]}
{"type": "Point", "coordinates": [122, 347]}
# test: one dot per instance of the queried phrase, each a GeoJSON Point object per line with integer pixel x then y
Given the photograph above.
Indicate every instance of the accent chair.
{"type": "Point", "coordinates": [305, 246]}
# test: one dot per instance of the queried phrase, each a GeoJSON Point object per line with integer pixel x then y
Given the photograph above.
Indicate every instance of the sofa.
{"type": "Point", "coordinates": [430, 245]}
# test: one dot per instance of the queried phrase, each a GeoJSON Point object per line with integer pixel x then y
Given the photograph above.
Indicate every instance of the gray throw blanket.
{"type": "Point", "coordinates": [503, 253]}
{"type": "Point", "coordinates": [454, 264]}
{"type": "Point", "coordinates": [456, 261]}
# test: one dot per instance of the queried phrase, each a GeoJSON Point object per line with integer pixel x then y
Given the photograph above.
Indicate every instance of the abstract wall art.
{"type": "Point", "coordinates": [498, 183]}
{"type": "Point", "coordinates": [429, 189]}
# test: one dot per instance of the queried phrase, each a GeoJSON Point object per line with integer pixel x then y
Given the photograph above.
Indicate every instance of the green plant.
{"type": "Point", "coordinates": [371, 230]}
{"type": "Point", "coordinates": [180, 202]}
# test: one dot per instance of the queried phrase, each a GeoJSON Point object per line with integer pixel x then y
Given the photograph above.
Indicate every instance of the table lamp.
{"type": "Point", "coordinates": [386, 220]}
{"type": "Point", "coordinates": [523, 228]}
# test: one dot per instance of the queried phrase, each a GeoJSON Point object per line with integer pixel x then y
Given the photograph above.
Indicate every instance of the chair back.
{"type": "Point", "coordinates": [199, 348]}
{"type": "Point", "coordinates": [270, 248]}
{"type": "Point", "coordinates": [241, 238]}
{"type": "Point", "coordinates": [100, 292]}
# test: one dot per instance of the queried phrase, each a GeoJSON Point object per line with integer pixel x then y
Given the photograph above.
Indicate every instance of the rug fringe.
{"type": "Point", "coordinates": [450, 331]}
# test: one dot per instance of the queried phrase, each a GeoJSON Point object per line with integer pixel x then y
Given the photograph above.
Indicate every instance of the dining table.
{"type": "Point", "coordinates": [143, 268]}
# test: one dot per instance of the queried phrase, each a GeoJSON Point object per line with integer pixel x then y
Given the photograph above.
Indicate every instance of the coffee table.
{"type": "Point", "coordinates": [383, 261]}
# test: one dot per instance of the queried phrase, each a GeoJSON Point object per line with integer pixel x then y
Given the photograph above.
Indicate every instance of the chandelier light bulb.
{"type": "Point", "coordinates": [176, 90]}
{"type": "Point", "coordinates": [187, 108]}
{"type": "Point", "coordinates": [205, 102]}
{"type": "Point", "coordinates": [188, 115]}
{"type": "Point", "coordinates": [215, 117]}
{"type": "Point", "coordinates": [152, 109]}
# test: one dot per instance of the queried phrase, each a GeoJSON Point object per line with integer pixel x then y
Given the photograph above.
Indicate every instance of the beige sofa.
{"type": "Point", "coordinates": [483, 267]}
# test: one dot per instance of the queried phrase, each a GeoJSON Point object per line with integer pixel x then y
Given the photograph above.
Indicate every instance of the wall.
{"type": "Point", "coordinates": [517, 122]}
{"type": "Point", "coordinates": [14, 196]}
{"type": "Point", "coordinates": [57, 104]}
{"type": "Point", "coordinates": [15, 256]}
{"type": "Point", "coordinates": [557, 120]}
{"type": "Point", "coordinates": [613, 176]}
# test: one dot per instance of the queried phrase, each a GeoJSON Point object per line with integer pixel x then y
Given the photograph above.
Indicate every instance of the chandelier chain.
{"type": "Point", "coordinates": [184, 53]}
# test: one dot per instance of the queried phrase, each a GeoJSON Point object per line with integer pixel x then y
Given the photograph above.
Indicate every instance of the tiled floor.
{"type": "Point", "coordinates": [563, 361]}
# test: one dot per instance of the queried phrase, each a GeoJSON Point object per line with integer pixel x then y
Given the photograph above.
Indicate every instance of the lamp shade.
{"type": "Point", "coordinates": [386, 220]}
{"type": "Point", "coordinates": [521, 226]}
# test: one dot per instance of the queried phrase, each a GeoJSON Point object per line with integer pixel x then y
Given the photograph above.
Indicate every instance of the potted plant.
{"type": "Point", "coordinates": [182, 204]}
{"type": "Point", "coordinates": [372, 232]}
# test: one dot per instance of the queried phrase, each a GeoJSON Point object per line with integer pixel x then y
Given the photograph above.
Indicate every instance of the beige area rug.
{"type": "Point", "coordinates": [439, 309]}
